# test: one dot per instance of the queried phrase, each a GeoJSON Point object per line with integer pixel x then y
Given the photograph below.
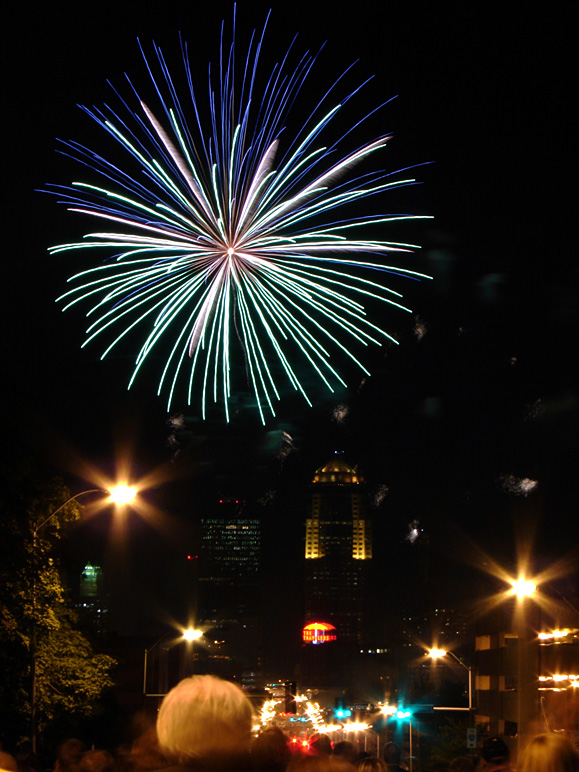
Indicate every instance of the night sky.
{"type": "Point", "coordinates": [482, 392]}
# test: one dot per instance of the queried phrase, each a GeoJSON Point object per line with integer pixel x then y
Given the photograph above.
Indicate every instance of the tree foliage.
{"type": "Point", "coordinates": [71, 677]}
{"type": "Point", "coordinates": [450, 743]}
{"type": "Point", "coordinates": [36, 618]}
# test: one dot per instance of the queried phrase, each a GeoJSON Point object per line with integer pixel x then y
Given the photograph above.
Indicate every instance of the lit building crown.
{"type": "Point", "coordinates": [337, 472]}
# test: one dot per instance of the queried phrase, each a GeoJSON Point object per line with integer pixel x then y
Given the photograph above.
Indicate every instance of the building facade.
{"type": "Point", "coordinates": [527, 673]}
{"type": "Point", "coordinates": [92, 603]}
{"type": "Point", "coordinates": [230, 591]}
{"type": "Point", "coordinates": [337, 547]}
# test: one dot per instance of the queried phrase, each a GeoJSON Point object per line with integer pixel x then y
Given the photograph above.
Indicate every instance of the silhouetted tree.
{"type": "Point", "coordinates": [37, 621]}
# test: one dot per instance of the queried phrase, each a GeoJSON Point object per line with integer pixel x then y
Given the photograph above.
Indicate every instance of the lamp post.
{"type": "Point", "coordinates": [189, 635]}
{"type": "Point", "coordinates": [402, 715]}
{"type": "Point", "coordinates": [524, 588]}
{"type": "Point", "coordinates": [119, 495]}
{"type": "Point", "coordinates": [145, 660]}
{"type": "Point", "coordinates": [438, 654]}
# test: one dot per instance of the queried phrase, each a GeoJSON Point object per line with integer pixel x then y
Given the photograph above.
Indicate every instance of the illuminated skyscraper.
{"type": "Point", "coordinates": [92, 602]}
{"type": "Point", "coordinates": [338, 546]}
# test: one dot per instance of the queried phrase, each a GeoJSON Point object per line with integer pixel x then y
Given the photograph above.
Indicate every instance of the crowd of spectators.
{"type": "Point", "coordinates": [205, 725]}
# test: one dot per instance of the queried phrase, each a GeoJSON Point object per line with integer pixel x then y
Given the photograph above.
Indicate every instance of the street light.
{"type": "Point", "coordinates": [523, 588]}
{"type": "Point", "coordinates": [147, 652]}
{"type": "Point", "coordinates": [404, 714]}
{"type": "Point", "coordinates": [192, 635]}
{"type": "Point", "coordinates": [189, 635]}
{"type": "Point", "coordinates": [123, 494]}
{"type": "Point", "coordinates": [439, 653]}
{"type": "Point", "coordinates": [119, 495]}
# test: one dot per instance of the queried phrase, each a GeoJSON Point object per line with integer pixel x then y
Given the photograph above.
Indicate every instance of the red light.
{"type": "Point", "coordinates": [319, 632]}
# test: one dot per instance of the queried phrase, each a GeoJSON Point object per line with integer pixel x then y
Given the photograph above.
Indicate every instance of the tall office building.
{"type": "Point", "coordinates": [92, 600]}
{"type": "Point", "coordinates": [229, 586]}
{"type": "Point", "coordinates": [338, 546]}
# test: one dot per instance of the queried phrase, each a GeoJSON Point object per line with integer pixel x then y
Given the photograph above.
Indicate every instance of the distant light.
{"type": "Point", "coordinates": [523, 588]}
{"type": "Point", "coordinates": [555, 634]}
{"type": "Point", "coordinates": [327, 728]}
{"type": "Point", "coordinates": [122, 494]}
{"type": "Point", "coordinates": [387, 710]}
{"type": "Point", "coordinates": [436, 653]}
{"type": "Point", "coordinates": [192, 635]}
{"type": "Point", "coordinates": [356, 726]}
{"type": "Point", "coordinates": [561, 633]}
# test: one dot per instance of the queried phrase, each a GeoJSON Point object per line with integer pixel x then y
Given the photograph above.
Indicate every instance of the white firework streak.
{"type": "Point", "coordinates": [218, 236]}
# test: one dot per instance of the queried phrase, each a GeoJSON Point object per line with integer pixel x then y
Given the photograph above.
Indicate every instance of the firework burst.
{"type": "Point", "coordinates": [228, 235]}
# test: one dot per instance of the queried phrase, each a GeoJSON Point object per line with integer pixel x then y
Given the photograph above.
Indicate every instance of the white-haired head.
{"type": "Point", "coordinates": [204, 715]}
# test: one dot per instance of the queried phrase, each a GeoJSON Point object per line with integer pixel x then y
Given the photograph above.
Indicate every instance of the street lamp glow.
{"type": "Point", "coordinates": [561, 633]}
{"type": "Point", "coordinates": [523, 588]}
{"type": "Point", "coordinates": [122, 494]}
{"type": "Point", "coordinates": [356, 726]}
{"type": "Point", "coordinates": [192, 635]}
{"type": "Point", "coordinates": [439, 653]}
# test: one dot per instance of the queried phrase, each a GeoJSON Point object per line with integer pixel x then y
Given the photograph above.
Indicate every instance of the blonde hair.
{"type": "Point", "coordinates": [204, 715]}
{"type": "Point", "coordinates": [550, 753]}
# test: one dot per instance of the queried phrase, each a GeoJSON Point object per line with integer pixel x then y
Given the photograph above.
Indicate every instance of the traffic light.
{"type": "Point", "coordinates": [342, 712]}
{"type": "Point", "coordinates": [403, 713]}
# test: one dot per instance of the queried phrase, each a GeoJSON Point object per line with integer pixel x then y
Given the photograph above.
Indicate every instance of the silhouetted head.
{"type": "Point", "coordinates": [369, 764]}
{"type": "Point", "coordinates": [550, 753]}
{"type": "Point", "coordinates": [461, 764]}
{"type": "Point", "coordinates": [321, 744]}
{"type": "Point", "coordinates": [8, 762]}
{"type": "Point", "coordinates": [97, 761]}
{"type": "Point", "coordinates": [270, 750]}
{"type": "Point", "coordinates": [391, 753]}
{"type": "Point", "coordinates": [204, 716]}
{"type": "Point", "coordinates": [68, 755]}
{"type": "Point", "coordinates": [345, 750]}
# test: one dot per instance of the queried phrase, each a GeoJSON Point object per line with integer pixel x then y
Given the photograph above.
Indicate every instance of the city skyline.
{"type": "Point", "coordinates": [468, 428]}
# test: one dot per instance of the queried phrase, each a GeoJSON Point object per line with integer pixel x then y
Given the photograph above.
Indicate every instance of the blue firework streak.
{"type": "Point", "coordinates": [228, 232]}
